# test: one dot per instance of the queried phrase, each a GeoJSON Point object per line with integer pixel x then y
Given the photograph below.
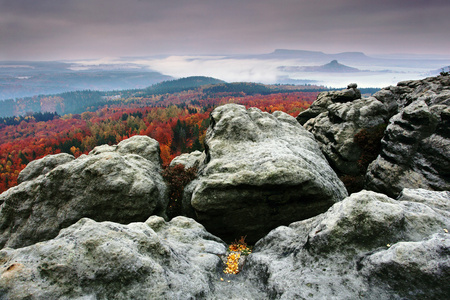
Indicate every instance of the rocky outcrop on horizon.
{"type": "Point", "coordinates": [335, 118]}
{"type": "Point", "coordinates": [332, 67]}
{"type": "Point", "coordinates": [261, 170]}
{"type": "Point", "coordinates": [412, 152]}
{"type": "Point", "coordinates": [415, 149]}
{"type": "Point", "coordinates": [119, 183]}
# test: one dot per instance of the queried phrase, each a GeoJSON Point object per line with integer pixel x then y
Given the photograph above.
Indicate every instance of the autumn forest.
{"type": "Point", "coordinates": [176, 118]}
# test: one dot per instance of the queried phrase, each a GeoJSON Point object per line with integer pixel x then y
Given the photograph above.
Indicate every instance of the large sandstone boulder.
{"type": "Point", "coordinates": [416, 146]}
{"type": "Point", "coordinates": [335, 118]}
{"type": "Point", "coordinates": [367, 246]}
{"type": "Point", "coordinates": [117, 183]}
{"type": "Point", "coordinates": [91, 260]}
{"type": "Point", "coordinates": [261, 170]}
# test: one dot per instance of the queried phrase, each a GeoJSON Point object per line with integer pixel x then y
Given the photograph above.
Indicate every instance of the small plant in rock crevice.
{"type": "Point", "coordinates": [236, 253]}
{"type": "Point", "coordinates": [176, 178]}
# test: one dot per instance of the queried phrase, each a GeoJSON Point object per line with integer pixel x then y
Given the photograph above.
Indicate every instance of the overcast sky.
{"type": "Point", "coordinates": [75, 29]}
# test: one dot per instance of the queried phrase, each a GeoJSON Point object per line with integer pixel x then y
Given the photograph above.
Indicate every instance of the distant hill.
{"type": "Point", "coordinates": [77, 102]}
{"type": "Point", "coordinates": [332, 67]}
{"type": "Point", "coordinates": [179, 85]}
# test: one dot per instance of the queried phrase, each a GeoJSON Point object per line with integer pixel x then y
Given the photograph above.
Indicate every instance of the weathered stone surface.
{"type": "Point", "coordinates": [367, 246]}
{"type": "Point", "coordinates": [189, 160]}
{"type": "Point", "coordinates": [324, 99]}
{"type": "Point", "coordinates": [91, 260]}
{"type": "Point", "coordinates": [335, 123]}
{"type": "Point", "coordinates": [439, 200]}
{"type": "Point", "coordinates": [260, 171]}
{"type": "Point", "coordinates": [416, 145]}
{"type": "Point", "coordinates": [414, 270]}
{"type": "Point", "coordinates": [415, 150]}
{"type": "Point", "coordinates": [335, 130]}
{"type": "Point", "coordinates": [43, 166]}
{"type": "Point", "coordinates": [108, 184]}
{"type": "Point", "coordinates": [141, 145]}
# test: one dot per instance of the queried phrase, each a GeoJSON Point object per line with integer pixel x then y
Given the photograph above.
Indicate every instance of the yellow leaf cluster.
{"type": "Point", "coordinates": [232, 263]}
{"type": "Point", "coordinates": [236, 249]}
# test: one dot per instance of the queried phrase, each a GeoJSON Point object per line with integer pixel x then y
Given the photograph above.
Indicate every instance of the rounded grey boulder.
{"type": "Point", "coordinates": [92, 260]}
{"type": "Point", "coordinates": [189, 160]}
{"type": "Point", "coordinates": [42, 166]}
{"type": "Point", "coordinates": [261, 171]}
{"type": "Point", "coordinates": [368, 246]}
{"type": "Point", "coordinates": [112, 183]}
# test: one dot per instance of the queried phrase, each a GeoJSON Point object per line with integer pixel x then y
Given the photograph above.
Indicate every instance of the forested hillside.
{"type": "Point", "coordinates": [177, 120]}
{"type": "Point", "coordinates": [88, 100]}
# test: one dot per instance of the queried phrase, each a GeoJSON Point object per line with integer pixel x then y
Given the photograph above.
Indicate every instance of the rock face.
{"type": "Point", "coordinates": [43, 166]}
{"type": "Point", "coordinates": [416, 145]}
{"type": "Point", "coordinates": [335, 118]}
{"type": "Point", "coordinates": [117, 183]}
{"type": "Point", "coordinates": [367, 246]}
{"type": "Point", "coordinates": [91, 260]}
{"type": "Point", "coordinates": [260, 171]}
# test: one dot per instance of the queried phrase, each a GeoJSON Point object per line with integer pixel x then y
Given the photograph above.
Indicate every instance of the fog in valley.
{"type": "Point", "coordinates": [285, 67]}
